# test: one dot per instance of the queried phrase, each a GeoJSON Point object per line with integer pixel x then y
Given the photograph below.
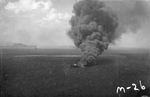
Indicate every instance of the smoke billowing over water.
{"type": "Point", "coordinates": [93, 27]}
{"type": "Point", "coordinates": [95, 24]}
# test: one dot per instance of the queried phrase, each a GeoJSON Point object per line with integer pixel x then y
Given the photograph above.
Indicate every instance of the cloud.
{"type": "Point", "coordinates": [1, 1]}
{"type": "Point", "coordinates": [139, 39]}
{"type": "Point", "coordinates": [28, 5]}
{"type": "Point", "coordinates": [55, 17]}
{"type": "Point", "coordinates": [134, 21]}
{"type": "Point", "coordinates": [64, 16]}
{"type": "Point", "coordinates": [34, 23]}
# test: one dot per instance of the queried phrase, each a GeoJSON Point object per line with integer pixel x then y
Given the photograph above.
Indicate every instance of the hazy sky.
{"type": "Point", "coordinates": [45, 23]}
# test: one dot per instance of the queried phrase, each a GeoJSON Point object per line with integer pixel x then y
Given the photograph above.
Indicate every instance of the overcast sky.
{"type": "Point", "coordinates": [45, 23]}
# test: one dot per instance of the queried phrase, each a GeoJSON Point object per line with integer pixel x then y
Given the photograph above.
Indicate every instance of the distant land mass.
{"type": "Point", "coordinates": [19, 45]}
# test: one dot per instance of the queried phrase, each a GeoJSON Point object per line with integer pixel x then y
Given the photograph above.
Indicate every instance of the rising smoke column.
{"type": "Point", "coordinates": [92, 28]}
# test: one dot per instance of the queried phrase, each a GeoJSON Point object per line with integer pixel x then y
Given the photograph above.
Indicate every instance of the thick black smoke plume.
{"type": "Point", "coordinates": [92, 28]}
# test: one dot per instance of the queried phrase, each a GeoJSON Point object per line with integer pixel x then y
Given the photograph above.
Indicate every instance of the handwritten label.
{"type": "Point", "coordinates": [123, 89]}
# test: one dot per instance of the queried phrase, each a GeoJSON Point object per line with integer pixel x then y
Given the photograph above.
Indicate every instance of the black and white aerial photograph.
{"type": "Point", "coordinates": [74, 48]}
